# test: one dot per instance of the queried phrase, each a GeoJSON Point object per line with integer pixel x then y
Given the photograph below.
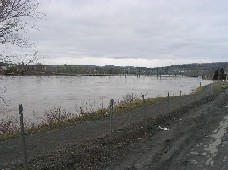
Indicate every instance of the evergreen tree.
{"type": "Point", "coordinates": [216, 75]}
{"type": "Point", "coordinates": [222, 75]}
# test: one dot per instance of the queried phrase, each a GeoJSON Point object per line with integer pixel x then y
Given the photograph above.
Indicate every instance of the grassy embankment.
{"type": "Point", "coordinates": [119, 108]}
{"type": "Point", "coordinates": [124, 106]}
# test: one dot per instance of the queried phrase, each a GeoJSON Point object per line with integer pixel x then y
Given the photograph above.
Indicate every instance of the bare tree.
{"type": "Point", "coordinates": [15, 17]}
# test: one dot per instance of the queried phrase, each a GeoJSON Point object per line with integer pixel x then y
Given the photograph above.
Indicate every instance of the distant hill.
{"type": "Point", "coordinates": [193, 70]}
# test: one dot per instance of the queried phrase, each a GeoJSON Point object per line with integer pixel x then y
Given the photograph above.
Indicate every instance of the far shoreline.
{"type": "Point", "coordinates": [99, 75]}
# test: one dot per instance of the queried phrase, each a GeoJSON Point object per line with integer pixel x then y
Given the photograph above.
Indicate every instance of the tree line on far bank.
{"type": "Point", "coordinates": [219, 74]}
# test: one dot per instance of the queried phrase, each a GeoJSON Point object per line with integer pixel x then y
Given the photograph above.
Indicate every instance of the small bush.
{"type": "Point", "coordinates": [56, 115]}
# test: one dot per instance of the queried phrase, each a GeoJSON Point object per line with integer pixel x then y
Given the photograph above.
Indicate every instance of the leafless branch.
{"type": "Point", "coordinates": [15, 16]}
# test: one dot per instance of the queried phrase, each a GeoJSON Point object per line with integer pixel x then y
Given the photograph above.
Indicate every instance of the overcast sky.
{"type": "Point", "coordinates": [133, 32]}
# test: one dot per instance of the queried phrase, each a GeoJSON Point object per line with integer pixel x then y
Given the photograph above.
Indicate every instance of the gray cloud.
{"type": "Point", "coordinates": [146, 29]}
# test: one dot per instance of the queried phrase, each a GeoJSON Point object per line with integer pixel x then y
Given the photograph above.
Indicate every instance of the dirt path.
{"type": "Point", "coordinates": [135, 144]}
{"type": "Point", "coordinates": [179, 147]}
{"type": "Point", "coordinates": [209, 150]}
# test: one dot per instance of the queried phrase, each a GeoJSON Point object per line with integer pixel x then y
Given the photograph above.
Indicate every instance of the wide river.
{"type": "Point", "coordinates": [40, 94]}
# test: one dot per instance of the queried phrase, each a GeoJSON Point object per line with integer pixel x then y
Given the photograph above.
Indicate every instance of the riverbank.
{"type": "Point", "coordinates": [81, 135]}
{"type": "Point", "coordinates": [59, 118]}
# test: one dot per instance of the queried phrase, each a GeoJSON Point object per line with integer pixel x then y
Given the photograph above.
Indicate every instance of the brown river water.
{"type": "Point", "coordinates": [40, 93]}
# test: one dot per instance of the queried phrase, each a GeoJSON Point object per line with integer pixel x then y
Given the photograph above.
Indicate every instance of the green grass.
{"type": "Point", "coordinates": [220, 86]}
{"type": "Point", "coordinates": [9, 135]}
{"type": "Point", "coordinates": [224, 85]}
{"type": "Point", "coordinates": [217, 86]}
{"type": "Point", "coordinates": [198, 90]}
{"type": "Point", "coordinates": [137, 103]}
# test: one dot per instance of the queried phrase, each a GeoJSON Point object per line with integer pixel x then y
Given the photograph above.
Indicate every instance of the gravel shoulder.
{"type": "Point", "coordinates": [136, 143]}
